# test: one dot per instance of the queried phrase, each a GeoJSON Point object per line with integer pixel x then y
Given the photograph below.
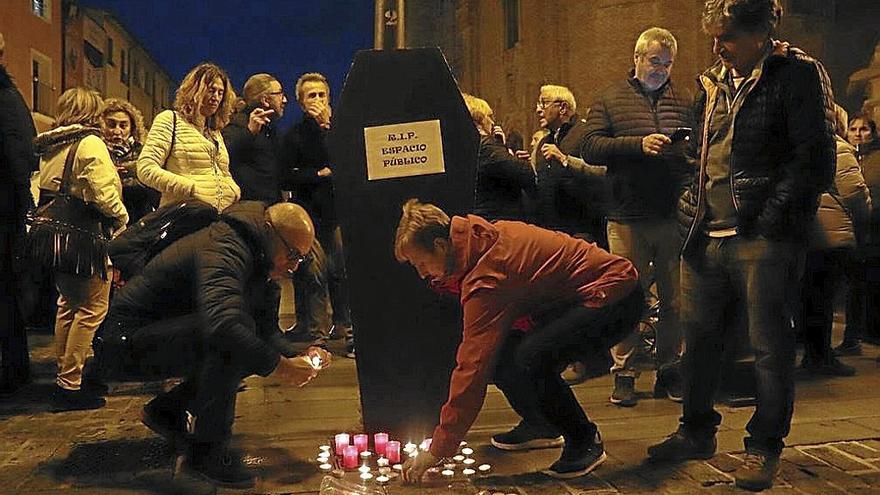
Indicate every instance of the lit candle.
{"type": "Point", "coordinates": [364, 469]}
{"type": "Point", "coordinates": [350, 457]}
{"type": "Point", "coordinates": [397, 467]}
{"type": "Point", "coordinates": [382, 479]}
{"type": "Point", "coordinates": [409, 447]}
{"type": "Point", "coordinates": [468, 472]}
{"type": "Point", "coordinates": [365, 455]}
{"type": "Point", "coordinates": [462, 443]}
{"type": "Point", "coordinates": [382, 462]}
{"type": "Point", "coordinates": [392, 451]}
{"type": "Point", "coordinates": [458, 458]}
{"type": "Point", "coordinates": [342, 440]}
{"type": "Point", "coordinates": [326, 467]}
{"type": "Point", "coordinates": [484, 468]}
{"type": "Point", "coordinates": [380, 441]}
{"type": "Point", "coordinates": [361, 441]}
{"type": "Point", "coordinates": [467, 451]}
{"type": "Point", "coordinates": [468, 461]}
{"type": "Point", "coordinates": [449, 466]}
{"type": "Point", "coordinates": [448, 473]}
{"type": "Point", "coordinates": [322, 459]}
{"type": "Point", "coordinates": [366, 476]}
{"type": "Point", "coordinates": [324, 448]}
{"type": "Point", "coordinates": [385, 470]}
{"type": "Point", "coordinates": [339, 473]}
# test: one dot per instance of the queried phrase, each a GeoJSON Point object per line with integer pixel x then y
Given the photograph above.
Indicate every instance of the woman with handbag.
{"type": "Point", "coordinates": [184, 156]}
{"type": "Point", "coordinates": [81, 208]}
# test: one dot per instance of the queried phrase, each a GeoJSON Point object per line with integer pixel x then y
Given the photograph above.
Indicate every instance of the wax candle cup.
{"type": "Point", "coordinates": [397, 467]}
{"type": "Point", "coordinates": [448, 472]}
{"type": "Point", "coordinates": [326, 467]}
{"type": "Point", "coordinates": [384, 470]}
{"type": "Point", "coordinates": [449, 466]}
{"type": "Point", "coordinates": [468, 472]}
{"type": "Point", "coordinates": [409, 446]}
{"type": "Point", "coordinates": [467, 451]}
{"type": "Point", "coordinates": [366, 476]}
{"type": "Point", "coordinates": [484, 468]}
{"type": "Point", "coordinates": [382, 462]}
{"type": "Point", "coordinates": [458, 458]}
{"type": "Point", "coordinates": [380, 441]}
{"type": "Point", "coordinates": [468, 461]}
{"type": "Point", "coordinates": [324, 448]}
{"type": "Point", "coordinates": [462, 443]}
{"type": "Point", "coordinates": [364, 469]}
{"type": "Point", "coordinates": [342, 441]}
{"type": "Point", "coordinates": [392, 452]}
{"type": "Point", "coordinates": [350, 457]}
{"type": "Point", "coordinates": [382, 479]}
{"type": "Point", "coordinates": [426, 444]}
{"type": "Point", "coordinates": [366, 454]}
{"type": "Point", "coordinates": [360, 441]}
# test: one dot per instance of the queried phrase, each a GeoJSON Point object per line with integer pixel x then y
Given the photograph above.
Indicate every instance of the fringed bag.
{"type": "Point", "coordinates": [67, 234]}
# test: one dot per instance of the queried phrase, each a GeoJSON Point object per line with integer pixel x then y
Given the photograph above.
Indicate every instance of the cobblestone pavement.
{"type": "Point", "coordinates": [834, 446]}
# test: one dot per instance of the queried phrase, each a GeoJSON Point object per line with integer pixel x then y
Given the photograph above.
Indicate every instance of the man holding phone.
{"type": "Point", "coordinates": [629, 130]}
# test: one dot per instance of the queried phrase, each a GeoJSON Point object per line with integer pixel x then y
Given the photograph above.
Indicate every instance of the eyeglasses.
{"type": "Point", "coordinates": [293, 254]}
{"type": "Point", "coordinates": [544, 104]}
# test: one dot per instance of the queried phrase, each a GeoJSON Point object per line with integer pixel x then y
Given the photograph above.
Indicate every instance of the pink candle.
{"type": "Point", "coordinates": [350, 457]}
{"type": "Point", "coordinates": [392, 451]}
{"type": "Point", "coordinates": [342, 441]}
{"type": "Point", "coordinates": [380, 440]}
{"type": "Point", "coordinates": [361, 442]}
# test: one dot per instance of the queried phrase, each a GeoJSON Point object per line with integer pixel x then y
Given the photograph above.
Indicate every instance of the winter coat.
{"type": "Point", "coordinates": [220, 272]}
{"type": "Point", "coordinates": [253, 158]}
{"type": "Point", "coordinates": [844, 210]}
{"type": "Point", "coordinates": [139, 199]}
{"type": "Point", "coordinates": [783, 152]}
{"type": "Point", "coordinates": [501, 180]}
{"type": "Point", "coordinates": [304, 153]}
{"type": "Point", "coordinates": [508, 270]}
{"type": "Point", "coordinates": [17, 159]}
{"type": "Point", "coordinates": [197, 168]}
{"type": "Point", "coordinates": [93, 175]}
{"type": "Point", "coordinates": [870, 163]}
{"type": "Point", "coordinates": [642, 186]}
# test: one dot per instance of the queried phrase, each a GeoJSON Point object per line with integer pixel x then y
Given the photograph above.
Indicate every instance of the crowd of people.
{"type": "Point", "coordinates": [720, 203]}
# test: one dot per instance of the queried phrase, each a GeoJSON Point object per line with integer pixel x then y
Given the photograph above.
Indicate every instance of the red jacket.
{"type": "Point", "coordinates": [508, 270]}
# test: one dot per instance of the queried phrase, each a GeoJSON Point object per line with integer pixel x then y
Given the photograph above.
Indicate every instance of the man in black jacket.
{"type": "Point", "coordinates": [17, 162]}
{"type": "Point", "coordinates": [766, 152]}
{"type": "Point", "coordinates": [206, 308]}
{"type": "Point", "coordinates": [628, 131]}
{"type": "Point", "coordinates": [309, 175]}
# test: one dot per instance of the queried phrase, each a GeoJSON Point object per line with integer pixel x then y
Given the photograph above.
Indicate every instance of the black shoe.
{"type": "Point", "coordinates": [849, 348]}
{"type": "Point", "coordinates": [92, 380]}
{"type": "Point", "coordinates": [167, 422]}
{"type": "Point", "coordinates": [524, 437]}
{"type": "Point", "coordinates": [349, 351]}
{"type": "Point", "coordinates": [220, 465]}
{"type": "Point", "coordinates": [758, 471]}
{"type": "Point", "coordinates": [668, 384]}
{"type": "Point", "coordinates": [681, 447]}
{"type": "Point", "coordinates": [578, 461]}
{"type": "Point", "coordinates": [624, 393]}
{"type": "Point", "coordinates": [75, 400]}
{"type": "Point", "coordinates": [834, 367]}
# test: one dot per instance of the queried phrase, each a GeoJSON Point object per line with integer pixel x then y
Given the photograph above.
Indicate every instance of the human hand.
{"type": "Point", "coordinates": [654, 144]}
{"type": "Point", "coordinates": [325, 172]}
{"type": "Point", "coordinates": [414, 467]}
{"type": "Point", "coordinates": [552, 152]}
{"type": "Point", "coordinates": [296, 370]}
{"type": "Point", "coordinates": [321, 112]}
{"type": "Point", "coordinates": [258, 118]}
{"type": "Point", "coordinates": [319, 357]}
{"type": "Point", "coordinates": [522, 154]}
{"type": "Point", "coordinates": [498, 134]}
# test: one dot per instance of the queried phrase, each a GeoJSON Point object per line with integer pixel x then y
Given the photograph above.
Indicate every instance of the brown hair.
{"type": "Point", "coordinates": [420, 223]}
{"type": "Point", "coordinates": [751, 16]}
{"type": "Point", "coordinates": [113, 105]}
{"type": "Point", "coordinates": [191, 92]}
{"type": "Point", "coordinates": [78, 106]}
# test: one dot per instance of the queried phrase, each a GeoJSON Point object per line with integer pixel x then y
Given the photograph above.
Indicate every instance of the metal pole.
{"type": "Point", "coordinates": [379, 26]}
{"type": "Point", "coordinates": [401, 24]}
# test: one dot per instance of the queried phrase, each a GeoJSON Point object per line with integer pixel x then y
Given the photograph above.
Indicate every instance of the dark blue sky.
{"type": "Point", "coordinates": [282, 37]}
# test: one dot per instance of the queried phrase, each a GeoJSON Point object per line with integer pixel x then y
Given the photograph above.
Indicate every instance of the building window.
{"type": "Point", "coordinates": [123, 67]}
{"type": "Point", "coordinates": [511, 20]}
{"type": "Point", "coordinates": [110, 51]}
{"type": "Point", "coordinates": [42, 9]}
{"type": "Point", "coordinates": [41, 84]}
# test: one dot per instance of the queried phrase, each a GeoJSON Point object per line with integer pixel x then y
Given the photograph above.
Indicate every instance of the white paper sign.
{"type": "Point", "coordinates": [404, 150]}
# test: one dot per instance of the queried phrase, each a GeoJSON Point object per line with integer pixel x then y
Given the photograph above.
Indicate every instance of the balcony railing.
{"type": "Point", "coordinates": [44, 99]}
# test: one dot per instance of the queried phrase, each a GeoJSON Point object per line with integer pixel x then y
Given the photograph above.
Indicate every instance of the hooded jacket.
{"type": "Point", "coordinates": [17, 159]}
{"type": "Point", "coordinates": [220, 272]}
{"type": "Point", "coordinates": [508, 270]}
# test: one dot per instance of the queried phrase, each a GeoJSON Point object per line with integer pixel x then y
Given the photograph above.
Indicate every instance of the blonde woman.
{"type": "Point", "coordinates": [83, 297]}
{"type": "Point", "coordinates": [185, 156]}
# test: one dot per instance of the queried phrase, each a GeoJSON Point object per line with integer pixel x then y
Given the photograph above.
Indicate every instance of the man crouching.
{"type": "Point", "coordinates": [582, 298]}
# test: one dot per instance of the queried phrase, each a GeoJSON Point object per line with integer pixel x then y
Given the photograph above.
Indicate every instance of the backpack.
{"type": "Point", "coordinates": [139, 243]}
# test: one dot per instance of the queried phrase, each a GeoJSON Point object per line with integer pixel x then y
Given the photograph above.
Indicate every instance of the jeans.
{"type": "Point", "coordinates": [82, 306]}
{"type": "Point", "coordinates": [644, 242]}
{"type": "Point", "coordinates": [529, 363]}
{"type": "Point", "coordinates": [760, 273]}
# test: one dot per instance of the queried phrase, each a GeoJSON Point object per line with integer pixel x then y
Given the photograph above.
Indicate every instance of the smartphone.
{"type": "Point", "coordinates": [681, 134]}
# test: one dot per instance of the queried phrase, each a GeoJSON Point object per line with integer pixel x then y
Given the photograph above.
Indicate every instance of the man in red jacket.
{"type": "Point", "coordinates": [583, 298]}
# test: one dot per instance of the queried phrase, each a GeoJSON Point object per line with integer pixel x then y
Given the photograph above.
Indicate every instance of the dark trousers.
{"type": "Point", "coordinates": [175, 347]}
{"type": "Point", "coordinates": [762, 274]}
{"type": "Point", "coordinates": [824, 273]}
{"type": "Point", "coordinates": [14, 359]}
{"type": "Point", "coordinates": [529, 363]}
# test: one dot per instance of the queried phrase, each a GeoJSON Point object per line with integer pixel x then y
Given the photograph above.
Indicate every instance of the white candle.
{"type": "Point", "coordinates": [462, 443]}
{"type": "Point", "coordinates": [366, 455]}
{"type": "Point", "coordinates": [468, 461]}
{"type": "Point", "coordinates": [468, 472]}
{"type": "Point", "coordinates": [366, 476]}
{"type": "Point", "coordinates": [449, 466]}
{"type": "Point", "coordinates": [324, 448]}
{"type": "Point", "coordinates": [448, 472]}
{"type": "Point", "coordinates": [409, 447]}
{"type": "Point", "coordinates": [398, 467]}
{"type": "Point", "coordinates": [467, 451]}
{"type": "Point", "coordinates": [382, 462]}
{"type": "Point", "coordinates": [326, 467]}
{"type": "Point", "coordinates": [382, 479]}
{"type": "Point", "coordinates": [458, 458]}
{"type": "Point", "coordinates": [384, 470]}
{"type": "Point", "coordinates": [364, 469]}
{"type": "Point", "coordinates": [484, 468]}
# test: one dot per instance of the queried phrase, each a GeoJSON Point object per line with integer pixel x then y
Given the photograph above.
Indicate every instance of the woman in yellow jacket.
{"type": "Point", "coordinates": [82, 299]}
{"type": "Point", "coordinates": [184, 156]}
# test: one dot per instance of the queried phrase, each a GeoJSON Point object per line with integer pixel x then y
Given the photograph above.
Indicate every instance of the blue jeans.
{"type": "Point", "coordinates": [763, 274]}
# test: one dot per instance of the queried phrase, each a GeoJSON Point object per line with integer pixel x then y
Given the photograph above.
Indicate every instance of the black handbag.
{"type": "Point", "coordinates": [67, 234]}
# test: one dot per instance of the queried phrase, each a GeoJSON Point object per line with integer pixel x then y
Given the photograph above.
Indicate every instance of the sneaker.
{"type": "Point", "coordinates": [75, 400]}
{"type": "Point", "coordinates": [220, 465]}
{"type": "Point", "coordinates": [624, 393]}
{"type": "Point", "coordinates": [578, 461]}
{"type": "Point", "coordinates": [92, 380]}
{"type": "Point", "coordinates": [574, 373]}
{"type": "Point", "coordinates": [681, 447]}
{"type": "Point", "coordinates": [757, 472]}
{"type": "Point", "coordinates": [169, 424]}
{"type": "Point", "coordinates": [524, 437]}
{"type": "Point", "coordinates": [848, 348]}
{"type": "Point", "coordinates": [834, 367]}
{"type": "Point", "coordinates": [668, 385]}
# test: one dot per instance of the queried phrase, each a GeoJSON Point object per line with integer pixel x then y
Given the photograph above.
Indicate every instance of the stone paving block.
{"type": "Point", "coordinates": [798, 457]}
{"type": "Point", "coordinates": [816, 486]}
{"type": "Point", "coordinates": [837, 477]}
{"type": "Point", "coordinates": [725, 463]}
{"type": "Point", "coordinates": [872, 478]}
{"type": "Point", "coordinates": [704, 474]}
{"type": "Point", "coordinates": [871, 444]}
{"type": "Point", "coordinates": [836, 458]}
{"type": "Point", "coordinates": [588, 484]}
{"type": "Point", "coordinates": [859, 450]}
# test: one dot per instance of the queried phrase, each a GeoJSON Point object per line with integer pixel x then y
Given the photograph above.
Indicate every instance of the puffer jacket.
{"type": "Point", "coordinates": [642, 186]}
{"type": "Point", "coordinates": [220, 272]}
{"type": "Point", "coordinates": [783, 153]}
{"type": "Point", "coordinates": [844, 210]}
{"type": "Point", "coordinates": [94, 177]}
{"type": "Point", "coordinates": [870, 163]}
{"type": "Point", "coordinates": [197, 168]}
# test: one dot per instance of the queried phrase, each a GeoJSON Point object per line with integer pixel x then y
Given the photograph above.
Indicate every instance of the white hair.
{"type": "Point", "coordinates": [560, 93]}
{"type": "Point", "coordinates": [660, 35]}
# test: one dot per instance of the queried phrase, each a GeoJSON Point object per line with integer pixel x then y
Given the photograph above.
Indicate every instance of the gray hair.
{"type": "Point", "coordinates": [751, 16]}
{"type": "Point", "coordinates": [660, 35]}
{"type": "Point", "coordinates": [560, 93]}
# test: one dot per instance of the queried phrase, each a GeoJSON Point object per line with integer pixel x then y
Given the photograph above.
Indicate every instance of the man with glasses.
{"type": "Point", "coordinates": [628, 130]}
{"type": "Point", "coordinates": [206, 309]}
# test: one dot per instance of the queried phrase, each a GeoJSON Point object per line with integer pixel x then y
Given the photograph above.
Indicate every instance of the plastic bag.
{"type": "Point", "coordinates": [336, 486]}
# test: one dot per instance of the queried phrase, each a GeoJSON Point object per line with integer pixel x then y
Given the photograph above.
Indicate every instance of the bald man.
{"type": "Point", "coordinates": [206, 309]}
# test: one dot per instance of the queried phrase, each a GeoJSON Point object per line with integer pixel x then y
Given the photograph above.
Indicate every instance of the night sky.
{"type": "Point", "coordinates": [284, 38]}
